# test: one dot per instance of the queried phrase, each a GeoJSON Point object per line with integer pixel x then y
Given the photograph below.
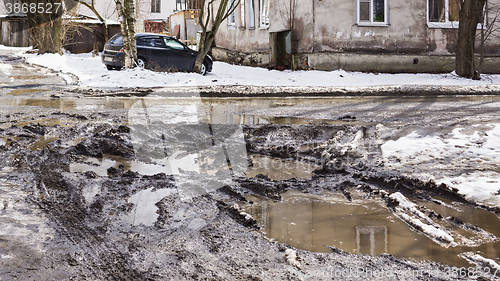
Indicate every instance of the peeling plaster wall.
{"type": "Point", "coordinates": [336, 29]}
{"type": "Point", "coordinates": [242, 38]}
{"type": "Point", "coordinates": [329, 27]}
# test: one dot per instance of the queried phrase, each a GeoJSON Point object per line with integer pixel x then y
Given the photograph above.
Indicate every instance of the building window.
{"type": "Point", "coordinates": [242, 14]}
{"type": "Point", "coordinates": [155, 6]}
{"type": "Point", "coordinates": [264, 13]}
{"type": "Point", "coordinates": [231, 20]}
{"type": "Point", "coordinates": [443, 13]}
{"type": "Point", "coordinates": [181, 5]}
{"type": "Point", "coordinates": [372, 12]}
{"type": "Point", "coordinates": [251, 15]}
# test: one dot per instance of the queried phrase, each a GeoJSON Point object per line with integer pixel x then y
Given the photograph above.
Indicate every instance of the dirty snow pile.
{"type": "Point", "coordinates": [465, 158]}
{"type": "Point", "coordinates": [92, 73]}
{"type": "Point", "coordinates": [409, 213]}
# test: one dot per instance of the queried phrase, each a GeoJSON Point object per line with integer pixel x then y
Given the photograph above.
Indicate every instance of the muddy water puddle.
{"type": "Point", "coordinates": [145, 211]}
{"type": "Point", "coordinates": [18, 92]}
{"type": "Point", "coordinates": [42, 143]}
{"type": "Point", "coordinates": [240, 111]}
{"type": "Point", "coordinates": [170, 165]}
{"type": "Point", "coordinates": [363, 226]}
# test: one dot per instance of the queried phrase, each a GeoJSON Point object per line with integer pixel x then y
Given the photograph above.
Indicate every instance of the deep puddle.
{"type": "Point", "coordinates": [364, 226]}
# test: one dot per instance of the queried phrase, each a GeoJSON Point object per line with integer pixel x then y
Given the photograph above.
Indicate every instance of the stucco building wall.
{"type": "Point", "coordinates": [325, 32]}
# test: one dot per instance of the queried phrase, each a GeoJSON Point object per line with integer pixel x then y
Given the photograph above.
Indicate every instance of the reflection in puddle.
{"type": "Point", "coordinates": [144, 211]}
{"type": "Point", "coordinates": [18, 92]}
{"type": "Point", "coordinates": [169, 165]}
{"type": "Point", "coordinates": [42, 143]}
{"type": "Point", "coordinates": [280, 169]}
{"type": "Point", "coordinates": [364, 226]}
{"type": "Point", "coordinates": [45, 121]}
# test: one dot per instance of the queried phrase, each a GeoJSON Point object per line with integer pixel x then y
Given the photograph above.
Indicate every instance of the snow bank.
{"type": "Point", "coordinates": [92, 73]}
{"type": "Point", "coordinates": [475, 153]}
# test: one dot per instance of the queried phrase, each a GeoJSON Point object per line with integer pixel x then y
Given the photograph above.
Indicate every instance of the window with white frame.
{"type": "Point", "coordinates": [180, 5]}
{"type": "Point", "coordinates": [251, 14]}
{"type": "Point", "coordinates": [443, 13]}
{"type": "Point", "coordinates": [242, 14]}
{"type": "Point", "coordinates": [155, 6]}
{"type": "Point", "coordinates": [231, 20]}
{"type": "Point", "coordinates": [264, 13]}
{"type": "Point", "coordinates": [372, 12]}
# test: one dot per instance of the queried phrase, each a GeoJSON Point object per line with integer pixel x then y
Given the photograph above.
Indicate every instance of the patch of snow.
{"type": "Point", "coordinates": [428, 229]}
{"type": "Point", "coordinates": [481, 261]}
{"type": "Point", "coordinates": [457, 150]}
{"type": "Point", "coordinates": [408, 212]}
{"type": "Point", "coordinates": [292, 258]}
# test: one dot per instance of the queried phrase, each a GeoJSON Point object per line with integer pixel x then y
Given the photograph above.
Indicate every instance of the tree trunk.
{"type": "Point", "coordinates": [126, 10]}
{"type": "Point", "coordinates": [470, 16]}
{"type": "Point", "coordinates": [46, 25]}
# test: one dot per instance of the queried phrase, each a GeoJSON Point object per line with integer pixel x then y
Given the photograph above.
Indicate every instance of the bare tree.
{"type": "Point", "coordinates": [225, 9]}
{"type": "Point", "coordinates": [126, 12]}
{"type": "Point", "coordinates": [90, 4]}
{"type": "Point", "coordinates": [45, 22]}
{"type": "Point", "coordinates": [471, 14]}
{"type": "Point", "coordinates": [489, 29]}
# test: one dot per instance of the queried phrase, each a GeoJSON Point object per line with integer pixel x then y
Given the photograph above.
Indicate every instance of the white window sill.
{"type": "Point", "coordinates": [450, 25]}
{"type": "Point", "coordinates": [231, 26]}
{"type": "Point", "coordinates": [370, 24]}
{"type": "Point", "coordinates": [264, 27]}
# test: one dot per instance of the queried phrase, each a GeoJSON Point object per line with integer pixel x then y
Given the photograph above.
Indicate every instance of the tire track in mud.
{"type": "Point", "coordinates": [60, 200]}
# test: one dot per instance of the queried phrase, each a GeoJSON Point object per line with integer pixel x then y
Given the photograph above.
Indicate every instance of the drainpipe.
{"type": "Point", "coordinates": [314, 25]}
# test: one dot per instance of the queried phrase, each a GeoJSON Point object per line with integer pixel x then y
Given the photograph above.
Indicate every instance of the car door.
{"type": "Point", "coordinates": [180, 57]}
{"type": "Point", "coordinates": [153, 50]}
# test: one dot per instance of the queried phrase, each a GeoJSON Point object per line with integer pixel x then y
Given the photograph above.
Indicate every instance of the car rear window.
{"type": "Point", "coordinates": [117, 41]}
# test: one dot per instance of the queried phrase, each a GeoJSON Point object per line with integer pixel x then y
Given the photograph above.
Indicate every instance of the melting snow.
{"type": "Point", "coordinates": [475, 154]}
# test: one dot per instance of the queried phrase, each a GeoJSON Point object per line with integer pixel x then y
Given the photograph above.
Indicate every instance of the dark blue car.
{"type": "Point", "coordinates": [155, 52]}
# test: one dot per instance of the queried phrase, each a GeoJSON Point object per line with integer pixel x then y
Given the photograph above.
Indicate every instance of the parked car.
{"type": "Point", "coordinates": [155, 52]}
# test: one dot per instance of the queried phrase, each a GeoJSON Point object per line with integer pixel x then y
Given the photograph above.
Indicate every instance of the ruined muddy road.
{"type": "Point", "coordinates": [163, 188]}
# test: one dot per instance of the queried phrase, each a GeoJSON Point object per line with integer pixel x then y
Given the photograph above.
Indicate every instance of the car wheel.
{"type": "Point", "coordinates": [141, 63]}
{"type": "Point", "coordinates": [203, 70]}
{"type": "Point", "coordinates": [110, 67]}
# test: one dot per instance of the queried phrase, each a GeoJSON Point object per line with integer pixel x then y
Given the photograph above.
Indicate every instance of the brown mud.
{"type": "Point", "coordinates": [91, 235]}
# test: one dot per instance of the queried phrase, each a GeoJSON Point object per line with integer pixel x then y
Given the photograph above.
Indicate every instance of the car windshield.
{"type": "Point", "coordinates": [171, 43]}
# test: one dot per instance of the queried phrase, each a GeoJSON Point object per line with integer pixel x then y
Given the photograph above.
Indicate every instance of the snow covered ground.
{"type": "Point", "coordinates": [92, 73]}
{"type": "Point", "coordinates": [466, 159]}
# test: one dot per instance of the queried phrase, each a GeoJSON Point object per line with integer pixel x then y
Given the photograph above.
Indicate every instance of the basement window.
{"type": "Point", "coordinates": [443, 13]}
{"type": "Point", "coordinates": [372, 13]}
